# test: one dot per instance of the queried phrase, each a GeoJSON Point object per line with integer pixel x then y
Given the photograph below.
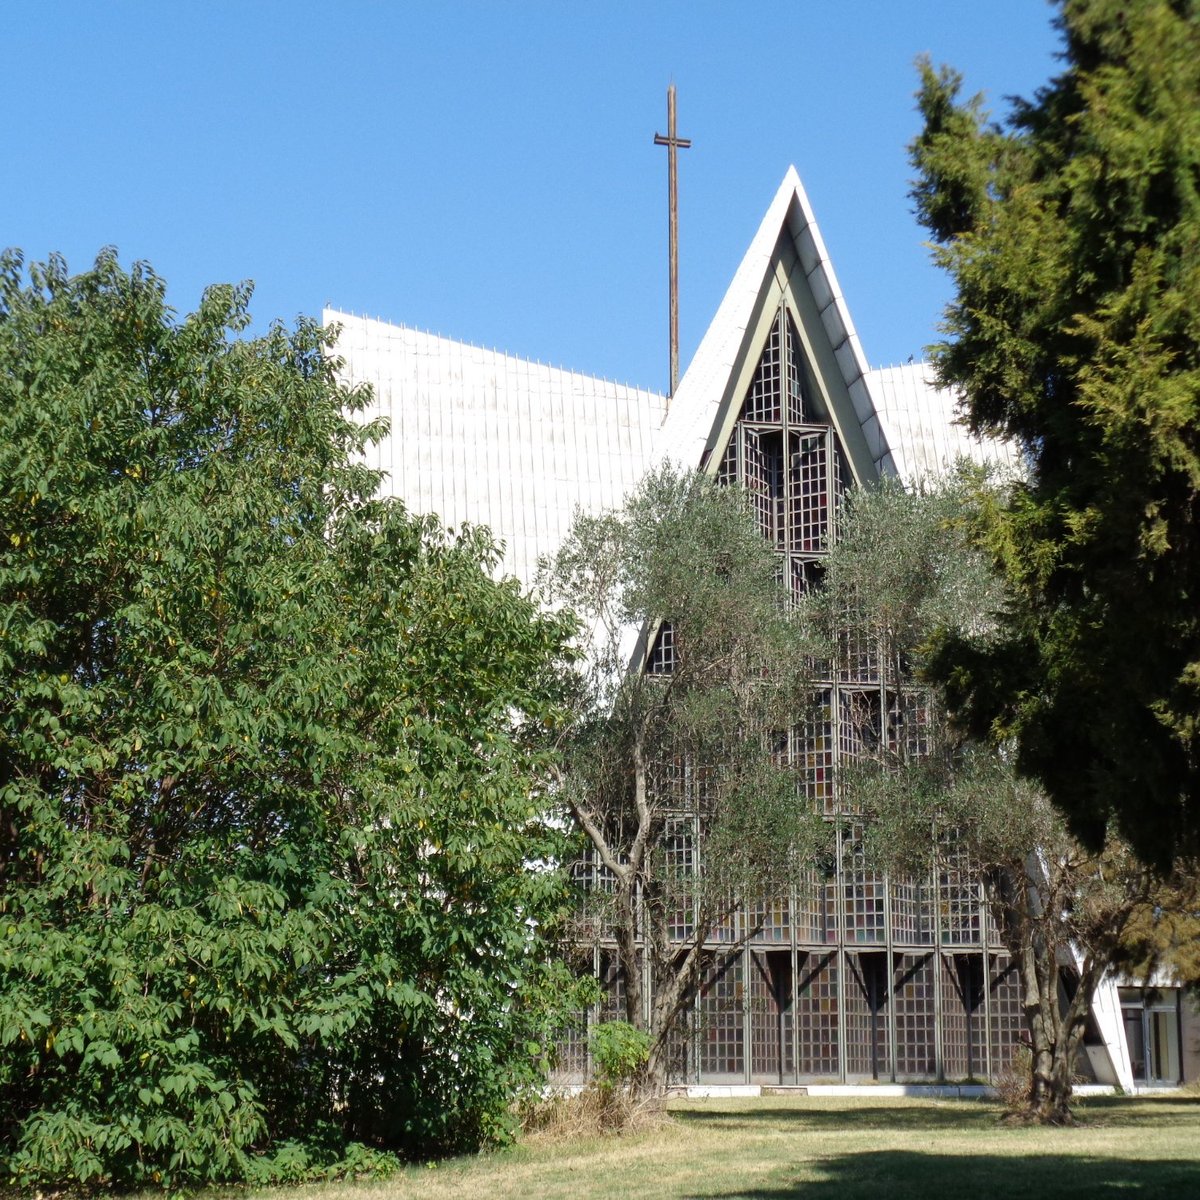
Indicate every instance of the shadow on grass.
{"type": "Point", "coordinates": [1158, 1111]}
{"type": "Point", "coordinates": [885, 1116]}
{"type": "Point", "coordinates": [1144, 1110]}
{"type": "Point", "coordinates": [901, 1174]}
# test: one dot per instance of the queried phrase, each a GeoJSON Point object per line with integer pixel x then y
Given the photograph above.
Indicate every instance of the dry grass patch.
{"type": "Point", "coordinates": [834, 1149]}
{"type": "Point", "coordinates": [591, 1113]}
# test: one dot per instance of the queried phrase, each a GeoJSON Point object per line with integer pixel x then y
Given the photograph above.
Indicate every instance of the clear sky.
{"type": "Point", "coordinates": [487, 170]}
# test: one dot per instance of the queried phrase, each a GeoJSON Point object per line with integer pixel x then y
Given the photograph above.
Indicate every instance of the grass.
{"type": "Point", "coordinates": [822, 1149]}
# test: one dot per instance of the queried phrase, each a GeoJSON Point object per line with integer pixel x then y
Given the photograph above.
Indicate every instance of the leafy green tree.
{"type": "Point", "coordinates": [1071, 234]}
{"type": "Point", "coordinates": [690, 658]}
{"type": "Point", "coordinates": [270, 753]}
{"type": "Point", "coordinates": [901, 575]}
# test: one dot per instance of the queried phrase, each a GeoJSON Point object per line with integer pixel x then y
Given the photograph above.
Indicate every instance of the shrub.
{"type": "Point", "coordinates": [619, 1053]}
{"type": "Point", "coordinates": [1014, 1082]}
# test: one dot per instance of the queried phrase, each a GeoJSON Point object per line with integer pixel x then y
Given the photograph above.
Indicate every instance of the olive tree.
{"type": "Point", "coordinates": [905, 575]}
{"type": "Point", "coordinates": [690, 656]}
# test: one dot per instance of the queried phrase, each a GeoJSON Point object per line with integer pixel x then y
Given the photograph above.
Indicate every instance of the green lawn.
{"type": "Point", "coordinates": [844, 1149]}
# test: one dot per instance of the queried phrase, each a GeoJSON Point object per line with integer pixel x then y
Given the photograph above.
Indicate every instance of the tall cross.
{"type": "Point", "coordinates": [672, 144]}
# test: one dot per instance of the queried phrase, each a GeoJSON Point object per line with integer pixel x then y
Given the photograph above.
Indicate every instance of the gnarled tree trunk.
{"type": "Point", "coordinates": [1030, 902]}
{"type": "Point", "coordinates": [1023, 901]}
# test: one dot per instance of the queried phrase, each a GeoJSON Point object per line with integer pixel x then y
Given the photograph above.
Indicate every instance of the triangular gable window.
{"type": "Point", "coordinates": [778, 378]}
{"type": "Point", "coordinates": [786, 454]}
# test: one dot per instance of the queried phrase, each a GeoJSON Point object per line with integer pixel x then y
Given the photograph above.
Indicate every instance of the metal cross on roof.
{"type": "Point", "coordinates": [673, 143]}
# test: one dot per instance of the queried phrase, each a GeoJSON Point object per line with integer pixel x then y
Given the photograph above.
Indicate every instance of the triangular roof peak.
{"type": "Point", "coordinates": [488, 438]}
{"type": "Point", "coordinates": [787, 256]}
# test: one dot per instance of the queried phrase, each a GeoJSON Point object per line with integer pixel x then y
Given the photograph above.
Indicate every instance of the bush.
{"type": "Point", "coordinates": [612, 1102]}
{"type": "Point", "coordinates": [1014, 1083]}
{"type": "Point", "coordinates": [269, 753]}
{"type": "Point", "coordinates": [619, 1053]}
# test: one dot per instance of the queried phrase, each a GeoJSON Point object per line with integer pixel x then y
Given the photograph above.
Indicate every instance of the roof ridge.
{"type": "Point", "coordinates": [520, 358]}
{"type": "Point", "coordinates": [912, 363]}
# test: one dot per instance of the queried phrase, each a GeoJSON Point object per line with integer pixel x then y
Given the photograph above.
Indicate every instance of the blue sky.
{"type": "Point", "coordinates": [487, 170]}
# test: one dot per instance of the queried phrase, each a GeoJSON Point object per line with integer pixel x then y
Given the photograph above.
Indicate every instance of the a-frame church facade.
{"type": "Point", "coordinates": [861, 977]}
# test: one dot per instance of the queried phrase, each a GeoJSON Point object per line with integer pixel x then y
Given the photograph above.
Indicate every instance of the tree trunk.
{"type": "Point", "coordinates": [630, 961]}
{"type": "Point", "coordinates": [676, 981]}
{"type": "Point", "coordinates": [1054, 1068]}
{"type": "Point", "coordinates": [1050, 1094]}
{"type": "Point", "coordinates": [654, 1079]}
{"type": "Point", "coordinates": [1026, 913]}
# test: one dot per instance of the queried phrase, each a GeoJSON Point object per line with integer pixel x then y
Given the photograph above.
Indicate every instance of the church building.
{"type": "Point", "coordinates": [865, 978]}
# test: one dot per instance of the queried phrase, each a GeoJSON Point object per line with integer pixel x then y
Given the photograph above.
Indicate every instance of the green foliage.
{"type": "Point", "coordinates": [270, 756]}
{"type": "Point", "coordinates": [668, 771]}
{"type": "Point", "coordinates": [1165, 935]}
{"type": "Point", "coordinates": [932, 798]}
{"type": "Point", "coordinates": [904, 573]}
{"type": "Point", "coordinates": [1072, 236]}
{"type": "Point", "coordinates": [317, 1160]}
{"type": "Point", "coordinates": [619, 1052]}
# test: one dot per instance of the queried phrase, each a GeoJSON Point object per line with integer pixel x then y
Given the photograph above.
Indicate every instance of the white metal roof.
{"type": "Point", "coordinates": [921, 425]}
{"type": "Point", "coordinates": [487, 438]}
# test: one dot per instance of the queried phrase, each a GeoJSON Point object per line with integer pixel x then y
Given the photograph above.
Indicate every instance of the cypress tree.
{"type": "Point", "coordinates": [1072, 233]}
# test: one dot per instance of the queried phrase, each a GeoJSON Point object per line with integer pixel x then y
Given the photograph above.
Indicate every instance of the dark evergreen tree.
{"type": "Point", "coordinates": [1072, 233]}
